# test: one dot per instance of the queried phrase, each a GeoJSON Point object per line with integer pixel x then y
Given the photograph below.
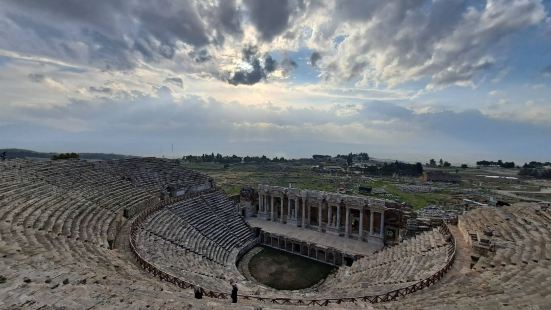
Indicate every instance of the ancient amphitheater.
{"type": "Point", "coordinates": [140, 233]}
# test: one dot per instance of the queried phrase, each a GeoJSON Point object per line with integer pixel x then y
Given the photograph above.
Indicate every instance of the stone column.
{"type": "Point", "coordinates": [382, 231]}
{"type": "Point", "coordinates": [303, 213]}
{"type": "Point", "coordinates": [272, 207]}
{"type": "Point", "coordinates": [338, 218]}
{"type": "Point", "coordinates": [295, 214]}
{"type": "Point", "coordinates": [320, 206]}
{"type": "Point", "coordinates": [370, 222]}
{"type": "Point", "coordinates": [259, 202]}
{"type": "Point", "coordinates": [308, 212]}
{"type": "Point", "coordinates": [347, 223]}
{"type": "Point", "coordinates": [288, 209]}
{"type": "Point", "coordinates": [361, 232]}
{"type": "Point", "coordinates": [329, 215]}
{"type": "Point", "coordinates": [281, 207]}
{"type": "Point", "coordinates": [266, 207]}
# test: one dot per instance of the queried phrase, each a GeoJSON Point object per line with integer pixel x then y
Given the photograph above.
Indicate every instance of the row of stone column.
{"type": "Point", "coordinates": [348, 226]}
{"type": "Point", "coordinates": [326, 255]}
{"type": "Point", "coordinates": [268, 209]}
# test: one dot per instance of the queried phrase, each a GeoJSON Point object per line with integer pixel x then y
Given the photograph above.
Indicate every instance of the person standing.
{"type": "Point", "coordinates": [198, 292]}
{"type": "Point", "coordinates": [234, 290]}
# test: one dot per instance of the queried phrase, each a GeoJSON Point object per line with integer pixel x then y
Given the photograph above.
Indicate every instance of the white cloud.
{"type": "Point", "coordinates": [391, 42]}
{"type": "Point", "coordinates": [112, 72]}
{"type": "Point", "coordinates": [370, 43]}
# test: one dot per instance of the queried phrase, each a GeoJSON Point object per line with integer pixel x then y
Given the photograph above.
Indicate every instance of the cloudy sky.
{"type": "Point", "coordinates": [404, 79]}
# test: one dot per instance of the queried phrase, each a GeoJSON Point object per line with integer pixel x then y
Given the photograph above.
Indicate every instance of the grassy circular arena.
{"type": "Point", "coordinates": [285, 271]}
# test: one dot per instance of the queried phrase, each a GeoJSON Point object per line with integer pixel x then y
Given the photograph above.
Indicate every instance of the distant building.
{"type": "Point", "coordinates": [365, 190]}
{"type": "Point", "coordinates": [440, 176]}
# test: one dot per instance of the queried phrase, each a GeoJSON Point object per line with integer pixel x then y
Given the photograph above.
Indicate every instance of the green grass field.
{"type": "Point", "coordinates": [232, 178]}
{"type": "Point", "coordinates": [284, 271]}
{"type": "Point", "coordinates": [416, 200]}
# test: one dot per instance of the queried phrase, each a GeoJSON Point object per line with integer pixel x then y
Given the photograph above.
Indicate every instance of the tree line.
{"type": "Point", "coordinates": [536, 169]}
{"type": "Point", "coordinates": [233, 159]}
{"type": "Point", "coordinates": [536, 164]}
{"type": "Point", "coordinates": [498, 163]}
{"type": "Point", "coordinates": [441, 163]}
{"type": "Point", "coordinates": [354, 157]}
{"type": "Point", "coordinates": [65, 156]}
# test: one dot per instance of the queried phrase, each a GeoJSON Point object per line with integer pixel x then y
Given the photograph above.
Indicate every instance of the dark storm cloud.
{"type": "Point", "coordinates": [269, 17]}
{"type": "Point", "coordinates": [108, 53]}
{"type": "Point", "coordinates": [258, 72]}
{"type": "Point", "coordinates": [200, 56]}
{"type": "Point", "coordinates": [41, 30]}
{"type": "Point", "coordinates": [314, 58]}
{"type": "Point", "coordinates": [229, 16]}
{"type": "Point", "coordinates": [144, 49]}
{"type": "Point", "coordinates": [270, 64]}
{"type": "Point", "coordinates": [248, 77]}
{"type": "Point", "coordinates": [183, 23]}
{"type": "Point", "coordinates": [222, 18]}
{"type": "Point", "coordinates": [173, 20]}
{"type": "Point", "coordinates": [446, 42]}
{"type": "Point", "coordinates": [249, 52]}
{"type": "Point", "coordinates": [98, 12]}
{"type": "Point", "coordinates": [117, 33]}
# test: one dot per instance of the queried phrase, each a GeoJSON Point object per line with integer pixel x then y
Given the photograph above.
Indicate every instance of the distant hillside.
{"type": "Point", "coordinates": [19, 153]}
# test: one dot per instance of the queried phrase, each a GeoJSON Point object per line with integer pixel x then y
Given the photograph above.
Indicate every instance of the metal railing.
{"type": "Point", "coordinates": [378, 298]}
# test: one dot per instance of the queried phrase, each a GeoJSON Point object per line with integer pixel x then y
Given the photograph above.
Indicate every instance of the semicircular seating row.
{"type": "Point", "coordinates": [56, 219]}
{"type": "Point", "coordinates": [516, 276]}
{"type": "Point", "coordinates": [198, 239]}
{"type": "Point", "coordinates": [55, 222]}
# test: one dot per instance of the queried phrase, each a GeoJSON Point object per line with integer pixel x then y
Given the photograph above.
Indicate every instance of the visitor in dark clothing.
{"type": "Point", "coordinates": [198, 292]}
{"type": "Point", "coordinates": [233, 292]}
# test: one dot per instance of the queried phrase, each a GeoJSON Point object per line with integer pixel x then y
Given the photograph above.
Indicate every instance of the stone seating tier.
{"type": "Point", "coordinates": [516, 276]}
{"type": "Point", "coordinates": [55, 222]}
{"type": "Point", "coordinates": [56, 219]}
